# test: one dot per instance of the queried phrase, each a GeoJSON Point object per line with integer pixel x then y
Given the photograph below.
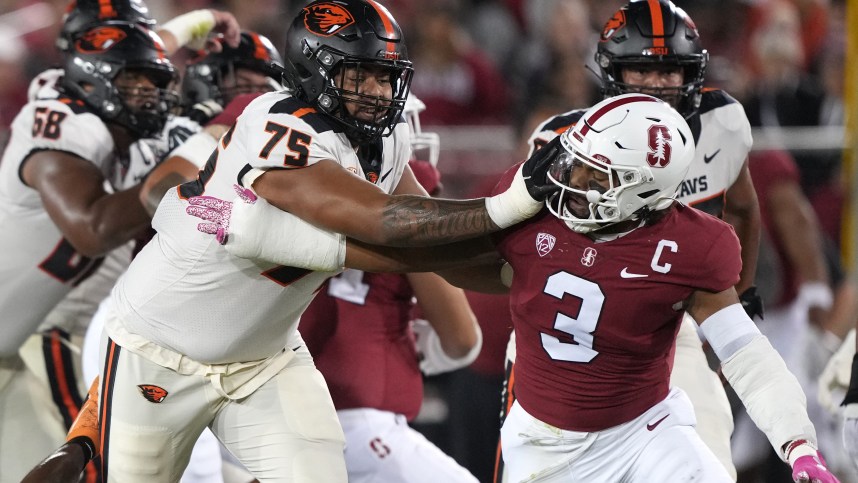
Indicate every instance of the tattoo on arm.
{"type": "Point", "coordinates": [420, 221]}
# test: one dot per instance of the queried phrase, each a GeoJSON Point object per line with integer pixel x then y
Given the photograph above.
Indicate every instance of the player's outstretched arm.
{"type": "Point", "coordinates": [771, 394]}
{"type": "Point", "coordinates": [192, 30]}
{"type": "Point", "coordinates": [332, 198]}
{"type": "Point", "coordinates": [448, 337]}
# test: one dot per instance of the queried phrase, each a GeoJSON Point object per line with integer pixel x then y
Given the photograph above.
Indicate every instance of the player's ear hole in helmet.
{"type": "Point", "coordinates": [347, 58]}
{"type": "Point", "coordinates": [121, 71]}
{"type": "Point", "coordinates": [81, 15]}
{"type": "Point", "coordinates": [624, 160]}
{"type": "Point", "coordinates": [659, 38]}
{"type": "Point", "coordinates": [254, 66]}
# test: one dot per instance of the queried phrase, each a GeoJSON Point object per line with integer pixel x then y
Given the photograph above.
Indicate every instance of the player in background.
{"type": "Point", "coordinates": [358, 329]}
{"type": "Point", "coordinates": [52, 178]}
{"type": "Point", "coordinates": [333, 152]}
{"type": "Point", "coordinates": [653, 47]}
{"type": "Point", "coordinates": [67, 462]}
{"type": "Point", "coordinates": [594, 400]}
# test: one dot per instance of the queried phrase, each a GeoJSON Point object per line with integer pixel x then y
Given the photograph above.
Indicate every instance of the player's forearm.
{"type": "Point", "coordinates": [447, 310]}
{"type": "Point", "coordinates": [747, 226]}
{"type": "Point", "coordinates": [743, 212]}
{"type": "Point", "coordinates": [108, 223]}
{"type": "Point", "coordinates": [381, 259]}
{"type": "Point", "coordinates": [63, 466]}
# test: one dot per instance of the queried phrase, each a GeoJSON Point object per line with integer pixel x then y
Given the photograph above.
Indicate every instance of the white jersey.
{"type": "Point", "coordinates": [39, 267]}
{"type": "Point", "coordinates": [186, 293]}
{"type": "Point", "coordinates": [722, 135]}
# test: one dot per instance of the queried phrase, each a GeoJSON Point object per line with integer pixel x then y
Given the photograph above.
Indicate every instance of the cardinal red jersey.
{"type": "Point", "coordinates": [357, 329]}
{"type": "Point", "coordinates": [595, 322]}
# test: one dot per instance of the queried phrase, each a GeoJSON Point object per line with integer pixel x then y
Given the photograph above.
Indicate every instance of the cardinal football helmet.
{"type": "Point", "coordinates": [100, 55]}
{"type": "Point", "coordinates": [647, 33]}
{"type": "Point", "coordinates": [644, 147]}
{"type": "Point", "coordinates": [329, 36]}
{"type": "Point", "coordinates": [421, 141]}
{"type": "Point", "coordinates": [81, 15]}
{"type": "Point", "coordinates": [205, 76]}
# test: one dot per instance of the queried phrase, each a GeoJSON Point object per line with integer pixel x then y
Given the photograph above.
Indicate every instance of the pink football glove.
{"type": "Point", "coordinates": [217, 212]}
{"type": "Point", "coordinates": [812, 469]}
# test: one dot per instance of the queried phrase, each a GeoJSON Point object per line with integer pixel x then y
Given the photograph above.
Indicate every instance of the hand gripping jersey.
{"type": "Point", "coordinates": [186, 293]}
{"type": "Point", "coordinates": [357, 329]}
{"type": "Point", "coordinates": [39, 266]}
{"type": "Point", "coordinates": [595, 322]}
{"type": "Point", "coordinates": [722, 135]}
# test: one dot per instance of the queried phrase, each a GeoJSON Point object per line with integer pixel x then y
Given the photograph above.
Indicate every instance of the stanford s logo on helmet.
{"type": "Point", "coordinates": [644, 148]}
{"type": "Point", "coordinates": [326, 19]}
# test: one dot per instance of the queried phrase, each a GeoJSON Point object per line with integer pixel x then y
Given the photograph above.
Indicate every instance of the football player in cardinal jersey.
{"type": "Point", "coordinates": [379, 388]}
{"type": "Point", "coordinates": [217, 334]}
{"type": "Point", "coordinates": [599, 281]}
{"type": "Point", "coordinates": [653, 47]}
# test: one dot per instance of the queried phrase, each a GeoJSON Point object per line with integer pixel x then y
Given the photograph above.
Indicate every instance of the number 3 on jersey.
{"type": "Point", "coordinates": [580, 328]}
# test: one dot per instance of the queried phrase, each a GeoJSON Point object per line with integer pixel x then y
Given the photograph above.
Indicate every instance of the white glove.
{"type": "Point", "coordinates": [433, 359]}
{"type": "Point", "coordinates": [834, 380]}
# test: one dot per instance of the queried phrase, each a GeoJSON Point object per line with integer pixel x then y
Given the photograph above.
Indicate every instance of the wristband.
{"type": "Point", "coordinates": [513, 205]}
{"type": "Point", "coordinates": [191, 29]}
{"type": "Point", "coordinates": [86, 444]}
{"type": "Point", "coordinates": [798, 448]}
{"type": "Point", "coordinates": [815, 294]}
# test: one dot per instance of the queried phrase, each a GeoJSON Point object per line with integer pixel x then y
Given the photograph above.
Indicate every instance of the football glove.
{"type": "Point", "coordinates": [752, 303]}
{"type": "Point", "coordinates": [808, 465]}
{"type": "Point", "coordinates": [535, 170]}
{"type": "Point", "coordinates": [205, 111]}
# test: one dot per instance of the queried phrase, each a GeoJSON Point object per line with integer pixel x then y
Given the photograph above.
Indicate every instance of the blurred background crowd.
{"type": "Point", "coordinates": [501, 66]}
{"type": "Point", "coordinates": [490, 70]}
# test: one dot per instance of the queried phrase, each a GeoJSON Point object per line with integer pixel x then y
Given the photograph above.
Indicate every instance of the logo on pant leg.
{"type": "Point", "coordinates": [153, 394]}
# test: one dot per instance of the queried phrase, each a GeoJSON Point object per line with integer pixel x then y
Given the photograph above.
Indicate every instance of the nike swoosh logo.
{"type": "Point", "coordinates": [707, 159]}
{"type": "Point", "coordinates": [650, 427]}
{"type": "Point", "coordinates": [627, 274]}
{"type": "Point", "coordinates": [385, 175]}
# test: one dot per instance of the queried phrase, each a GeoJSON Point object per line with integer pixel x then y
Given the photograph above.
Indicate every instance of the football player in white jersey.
{"type": "Point", "coordinates": [198, 338]}
{"type": "Point", "coordinates": [115, 90]}
{"type": "Point", "coordinates": [653, 47]}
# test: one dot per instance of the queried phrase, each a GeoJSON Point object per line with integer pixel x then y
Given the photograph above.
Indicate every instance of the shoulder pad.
{"type": "Point", "coordinates": [305, 112]}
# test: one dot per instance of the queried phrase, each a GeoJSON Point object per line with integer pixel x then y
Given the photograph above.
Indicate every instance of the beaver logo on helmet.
{"type": "Point", "coordinates": [617, 22]}
{"type": "Point", "coordinates": [326, 19]}
{"type": "Point", "coordinates": [100, 39]}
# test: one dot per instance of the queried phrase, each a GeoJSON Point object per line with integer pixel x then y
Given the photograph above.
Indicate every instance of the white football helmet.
{"type": "Point", "coordinates": [420, 140]}
{"type": "Point", "coordinates": [642, 144]}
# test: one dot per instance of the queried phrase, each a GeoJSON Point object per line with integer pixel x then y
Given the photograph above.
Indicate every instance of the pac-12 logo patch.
{"type": "Point", "coordinates": [326, 19]}
{"type": "Point", "coordinates": [154, 394]}
{"type": "Point", "coordinates": [544, 243]}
